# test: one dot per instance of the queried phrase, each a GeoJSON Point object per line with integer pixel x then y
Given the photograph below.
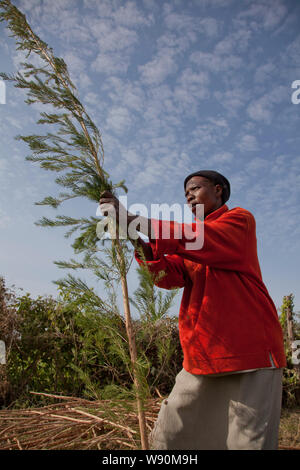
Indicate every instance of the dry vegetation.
{"type": "Point", "coordinates": [77, 424]}
{"type": "Point", "coordinates": [289, 431]}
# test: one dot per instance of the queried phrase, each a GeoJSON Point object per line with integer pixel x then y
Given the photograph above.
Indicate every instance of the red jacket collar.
{"type": "Point", "coordinates": [217, 213]}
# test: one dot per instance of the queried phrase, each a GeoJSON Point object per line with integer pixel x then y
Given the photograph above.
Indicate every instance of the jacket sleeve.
{"type": "Point", "coordinates": [169, 271]}
{"type": "Point", "coordinates": [221, 243]}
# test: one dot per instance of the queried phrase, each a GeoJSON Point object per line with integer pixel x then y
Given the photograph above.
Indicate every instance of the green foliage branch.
{"type": "Point", "coordinates": [75, 149]}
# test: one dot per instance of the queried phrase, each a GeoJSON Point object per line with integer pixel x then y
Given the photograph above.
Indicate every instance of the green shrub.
{"type": "Point", "coordinates": [68, 347]}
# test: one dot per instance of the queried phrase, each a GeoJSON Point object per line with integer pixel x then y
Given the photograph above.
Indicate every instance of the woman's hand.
{"type": "Point", "coordinates": [110, 206]}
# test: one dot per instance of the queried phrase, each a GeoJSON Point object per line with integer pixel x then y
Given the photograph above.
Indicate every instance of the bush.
{"type": "Point", "coordinates": [65, 346]}
{"type": "Point", "coordinates": [69, 346]}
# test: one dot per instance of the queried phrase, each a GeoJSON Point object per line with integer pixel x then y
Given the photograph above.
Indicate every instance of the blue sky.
{"type": "Point", "coordinates": [174, 87]}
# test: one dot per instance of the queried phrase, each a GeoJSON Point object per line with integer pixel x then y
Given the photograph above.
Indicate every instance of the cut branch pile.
{"type": "Point", "coordinates": [78, 424]}
{"type": "Point", "coordinates": [75, 424]}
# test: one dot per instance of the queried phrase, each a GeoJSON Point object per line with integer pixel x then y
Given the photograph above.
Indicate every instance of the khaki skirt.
{"type": "Point", "coordinates": [233, 411]}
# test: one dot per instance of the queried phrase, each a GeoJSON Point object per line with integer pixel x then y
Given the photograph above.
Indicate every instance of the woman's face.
{"type": "Point", "coordinates": [200, 190]}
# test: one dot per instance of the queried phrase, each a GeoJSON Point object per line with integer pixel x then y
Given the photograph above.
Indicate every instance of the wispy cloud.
{"type": "Point", "coordinates": [262, 109]}
{"type": "Point", "coordinates": [191, 26]}
{"type": "Point", "coordinates": [216, 62]}
{"type": "Point", "coordinates": [158, 69]}
{"type": "Point", "coordinates": [292, 53]}
{"type": "Point", "coordinates": [118, 120]}
{"type": "Point", "coordinates": [264, 73]}
{"type": "Point", "coordinates": [190, 89]}
{"type": "Point", "coordinates": [233, 100]}
{"type": "Point", "coordinates": [248, 143]}
{"type": "Point", "coordinates": [129, 94]}
{"type": "Point", "coordinates": [266, 14]}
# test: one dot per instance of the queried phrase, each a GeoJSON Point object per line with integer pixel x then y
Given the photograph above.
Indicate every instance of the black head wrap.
{"type": "Point", "coordinates": [216, 178]}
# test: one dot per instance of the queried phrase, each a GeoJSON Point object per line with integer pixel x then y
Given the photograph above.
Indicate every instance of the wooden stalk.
{"type": "Point", "coordinates": [129, 329]}
{"type": "Point", "coordinates": [132, 350]}
{"type": "Point", "coordinates": [289, 321]}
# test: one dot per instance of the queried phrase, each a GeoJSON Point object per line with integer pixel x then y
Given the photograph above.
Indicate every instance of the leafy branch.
{"type": "Point", "coordinates": [76, 149]}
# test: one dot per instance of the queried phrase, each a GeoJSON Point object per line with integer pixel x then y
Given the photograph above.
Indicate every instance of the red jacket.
{"type": "Point", "coordinates": [227, 320]}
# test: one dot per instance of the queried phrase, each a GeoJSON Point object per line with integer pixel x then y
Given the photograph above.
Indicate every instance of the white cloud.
{"type": "Point", "coordinates": [220, 122]}
{"type": "Point", "coordinates": [238, 181]}
{"type": "Point", "coordinates": [292, 52]}
{"type": "Point", "coordinates": [266, 14]}
{"type": "Point", "coordinates": [55, 8]}
{"type": "Point", "coordinates": [77, 67]}
{"type": "Point", "coordinates": [193, 80]}
{"type": "Point", "coordinates": [264, 72]}
{"type": "Point", "coordinates": [209, 134]}
{"type": "Point", "coordinates": [210, 27]}
{"type": "Point", "coordinates": [180, 22]}
{"type": "Point", "coordinates": [262, 109]}
{"type": "Point", "coordinates": [115, 44]}
{"type": "Point", "coordinates": [191, 87]}
{"type": "Point", "coordinates": [232, 100]}
{"type": "Point", "coordinates": [19, 57]}
{"type": "Point", "coordinates": [130, 15]}
{"type": "Point", "coordinates": [165, 167]}
{"type": "Point", "coordinates": [227, 56]}
{"type": "Point", "coordinates": [92, 98]}
{"type": "Point", "coordinates": [74, 62]}
{"type": "Point", "coordinates": [281, 162]}
{"type": "Point", "coordinates": [158, 69]}
{"type": "Point", "coordinates": [175, 42]}
{"type": "Point", "coordinates": [258, 111]}
{"type": "Point", "coordinates": [216, 62]}
{"type": "Point", "coordinates": [110, 64]}
{"type": "Point", "coordinates": [248, 143]}
{"type": "Point", "coordinates": [112, 38]}
{"type": "Point", "coordinates": [183, 30]}
{"type": "Point", "coordinates": [160, 111]}
{"type": "Point", "coordinates": [257, 165]}
{"type": "Point", "coordinates": [274, 15]}
{"type": "Point", "coordinates": [221, 158]}
{"type": "Point", "coordinates": [125, 93]}
{"type": "Point", "coordinates": [118, 120]}
{"type": "Point", "coordinates": [235, 41]}
{"type": "Point", "coordinates": [132, 157]}
{"type": "Point", "coordinates": [30, 5]}
{"type": "Point", "coordinates": [60, 18]}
